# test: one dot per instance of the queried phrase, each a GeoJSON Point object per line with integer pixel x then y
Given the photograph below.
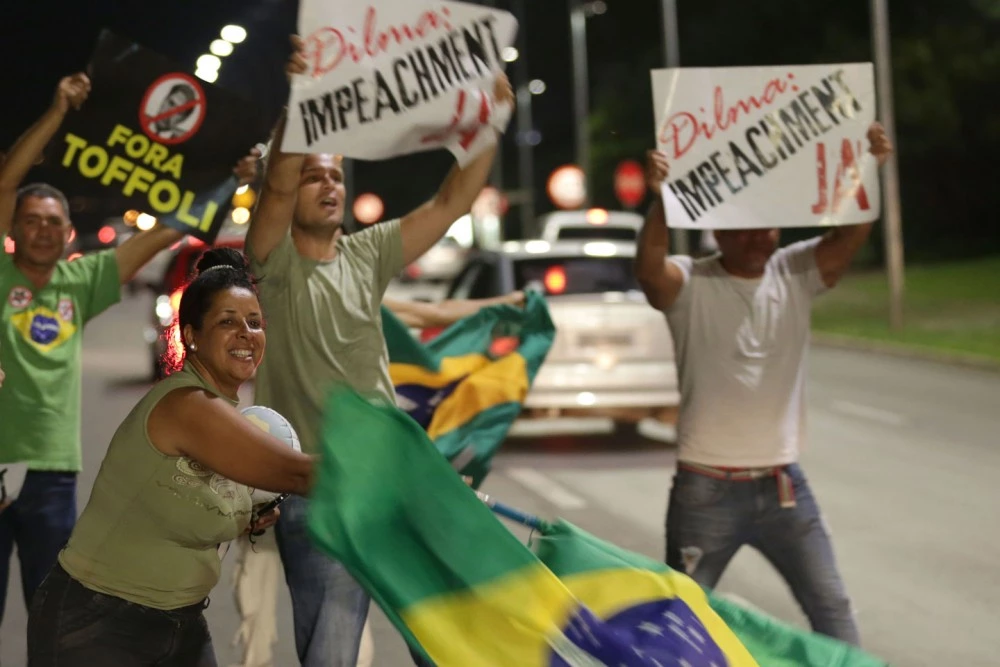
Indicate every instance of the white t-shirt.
{"type": "Point", "coordinates": [741, 350]}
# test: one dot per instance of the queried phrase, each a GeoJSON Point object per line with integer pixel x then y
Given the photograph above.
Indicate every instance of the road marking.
{"type": "Point", "coordinates": [868, 412]}
{"type": "Point", "coordinates": [546, 488]}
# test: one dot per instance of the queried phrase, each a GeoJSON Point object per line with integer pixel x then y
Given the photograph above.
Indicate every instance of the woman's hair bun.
{"type": "Point", "coordinates": [216, 257]}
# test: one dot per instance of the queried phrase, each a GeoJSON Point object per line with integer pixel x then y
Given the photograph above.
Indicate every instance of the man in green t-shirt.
{"type": "Point", "coordinates": [322, 292]}
{"type": "Point", "coordinates": [45, 302]}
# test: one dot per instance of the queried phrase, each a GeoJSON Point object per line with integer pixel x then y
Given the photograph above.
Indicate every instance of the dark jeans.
{"type": "Point", "coordinates": [39, 522]}
{"type": "Point", "coordinates": [329, 607]}
{"type": "Point", "coordinates": [709, 519]}
{"type": "Point", "coordinates": [72, 626]}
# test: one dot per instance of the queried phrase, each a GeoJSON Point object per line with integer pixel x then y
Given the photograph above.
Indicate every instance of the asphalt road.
{"type": "Point", "coordinates": [903, 456]}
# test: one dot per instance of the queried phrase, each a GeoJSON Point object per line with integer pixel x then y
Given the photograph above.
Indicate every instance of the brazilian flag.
{"type": "Point", "coordinates": [459, 586]}
{"type": "Point", "coordinates": [467, 386]}
{"type": "Point", "coordinates": [625, 587]}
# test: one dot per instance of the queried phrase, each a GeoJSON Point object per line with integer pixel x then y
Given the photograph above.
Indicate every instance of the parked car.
{"type": "Point", "coordinates": [613, 355]}
{"type": "Point", "coordinates": [594, 223]}
{"type": "Point", "coordinates": [162, 335]}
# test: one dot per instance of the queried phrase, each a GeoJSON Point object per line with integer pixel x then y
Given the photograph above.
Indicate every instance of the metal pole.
{"type": "Point", "coordinates": [526, 164]}
{"type": "Point", "coordinates": [496, 173]}
{"type": "Point", "coordinates": [891, 209]}
{"type": "Point", "coordinates": [525, 124]}
{"type": "Point", "coordinates": [672, 54]}
{"type": "Point", "coordinates": [581, 91]}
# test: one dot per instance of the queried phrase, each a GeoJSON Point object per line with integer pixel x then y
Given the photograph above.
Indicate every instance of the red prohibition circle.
{"type": "Point", "coordinates": [145, 121]}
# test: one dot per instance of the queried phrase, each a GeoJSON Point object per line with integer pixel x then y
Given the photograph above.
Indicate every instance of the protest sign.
{"type": "Point", "coordinates": [155, 139]}
{"type": "Point", "coordinates": [761, 147]}
{"type": "Point", "coordinates": [395, 77]}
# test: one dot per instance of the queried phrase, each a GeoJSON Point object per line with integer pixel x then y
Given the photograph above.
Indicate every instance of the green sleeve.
{"type": "Point", "coordinates": [96, 282]}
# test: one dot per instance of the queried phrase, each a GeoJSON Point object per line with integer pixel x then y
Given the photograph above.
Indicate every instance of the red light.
{"type": "Point", "coordinates": [555, 280]}
{"type": "Point", "coordinates": [173, 358]}
{"type": "Point", "coordinates": [8, 245]}
{"type": "Point", "coordinates": [175, 300]}
{"type": "Point", "coordinates": [176, 245]}
{"type": "Point", "coordinates": [72, 235]}
{"type": "Point", "coordinates": [195, 243]}
{"type": "Point", "coordinates": [430, 334]}
{"type": "Point", "coordinates": [75, 255]}
{"type": "Point", "coordinates": [501, 347]}
{"type": "Point", "coordinates": [106, 234]}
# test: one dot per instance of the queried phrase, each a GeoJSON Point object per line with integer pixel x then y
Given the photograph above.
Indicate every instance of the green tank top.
{"type": "Point", "coordinates": [150, 533]}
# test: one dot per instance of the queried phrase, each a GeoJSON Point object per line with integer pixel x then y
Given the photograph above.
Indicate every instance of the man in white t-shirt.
{"type": "Point", "coordinates": [740, 321]}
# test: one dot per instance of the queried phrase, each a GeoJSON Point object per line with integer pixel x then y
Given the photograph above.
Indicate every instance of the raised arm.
{"type": "Point", "coordinates": [72, 91]}
{"type": "Point", "coordinates": [420, 315]}
{"type": "Point", "coordinates": [838, 247]}
{"type": "Point", "coordinates": [193, 423]}
{"type": "Point", "coordinates": [273, 215]}
{"type": "Point", "coordinates": [661, 280]}
{"type": "Point", "coordinates": [428, 224]}
{"type": "Point", "coordinates": [142, 247]}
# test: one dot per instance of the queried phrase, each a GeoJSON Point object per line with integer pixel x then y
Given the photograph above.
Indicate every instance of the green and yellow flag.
{"type": "Point", "coordinates": [456, 582]}
{"type": "Point", "coordinates": [613, 581]}
{"type": "Point", "coordinates": [467, 386]}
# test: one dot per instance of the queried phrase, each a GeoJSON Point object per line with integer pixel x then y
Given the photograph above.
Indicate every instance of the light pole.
{"type": "Point", "coordinates": [672, 54]}
{"type": "Point", "coordinates": [581, 88]}
{"type": "Point", "coordinates": [525, 160]}
{"type": "Point", "coordinates": [525, 127]}
{"type": "Point", "coordinates": [891, 209]}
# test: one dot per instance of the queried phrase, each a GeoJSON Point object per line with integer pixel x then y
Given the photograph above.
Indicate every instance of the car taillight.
{"type": "Point", "coordinates": [555, 280]}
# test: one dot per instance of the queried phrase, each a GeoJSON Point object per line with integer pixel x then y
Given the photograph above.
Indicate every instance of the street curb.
{"type": "Point", "coordinates": [906, 351]}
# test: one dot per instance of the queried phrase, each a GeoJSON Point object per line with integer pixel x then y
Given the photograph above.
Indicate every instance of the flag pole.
{"type": "Point", "coordinates": [516, 515]}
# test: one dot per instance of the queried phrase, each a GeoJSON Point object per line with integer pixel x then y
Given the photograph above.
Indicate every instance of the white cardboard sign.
{"type": "Point", "coordinates": [394, 77]}
{"type": "Point", "coordinates": [762, 147]}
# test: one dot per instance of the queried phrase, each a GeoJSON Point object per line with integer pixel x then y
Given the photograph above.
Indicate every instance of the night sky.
{"type": "Point", "coordinates": [43, 41]}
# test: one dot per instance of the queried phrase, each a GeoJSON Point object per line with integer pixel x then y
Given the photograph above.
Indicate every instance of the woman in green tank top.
{"type": "Point", "coordinates": [131, 584]}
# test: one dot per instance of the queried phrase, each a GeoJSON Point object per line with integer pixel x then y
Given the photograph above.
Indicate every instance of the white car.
{"type": "Point", "coordinates": [594, 223]}
{"type": "Point", "coordinates": [613, 355]}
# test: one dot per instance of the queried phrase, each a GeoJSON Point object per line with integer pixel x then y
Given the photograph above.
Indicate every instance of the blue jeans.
{"type": "Point", "coordinates": [329, 608]}
{"type": "Point", "coordinates": [39, 522]}
{"type": "Point", "coordinates": [73, 626]}
{"type": "Point", "coordinates": [709, 519]}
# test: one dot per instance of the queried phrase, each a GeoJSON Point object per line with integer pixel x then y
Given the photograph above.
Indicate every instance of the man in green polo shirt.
{"type": "Point", "coordinates": [45, 302]}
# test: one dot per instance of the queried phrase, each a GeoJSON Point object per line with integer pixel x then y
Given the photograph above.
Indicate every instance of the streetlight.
{"type": "Point", "coordinates": [672, 54]}
{"type": "Point", "coordinates": [221, 47]}
{"type": "Point", "coordinates": [233, 34]}
{"type": "Point", "coordinates": [579, 12]}
{"type": "Point", "coordinates": [890, 193]}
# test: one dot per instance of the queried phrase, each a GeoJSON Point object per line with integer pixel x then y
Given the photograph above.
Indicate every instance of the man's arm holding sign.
{"type": "Point", "coordinates": [427, 225]}
{"type": "Point", "coordinates": [71, 92]}
{"type": "Point", "coordinates": [839, 246]}
{"type": "Point", "coordinates": [276, 207]}
{"type": "Point", "coordinates": [660, 279]}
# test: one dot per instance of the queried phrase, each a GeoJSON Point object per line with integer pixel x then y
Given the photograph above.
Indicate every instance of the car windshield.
{"type": "Point", "coordinates": [591, 232]}
{"type": "Point", "coordinates": [576, 275]}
